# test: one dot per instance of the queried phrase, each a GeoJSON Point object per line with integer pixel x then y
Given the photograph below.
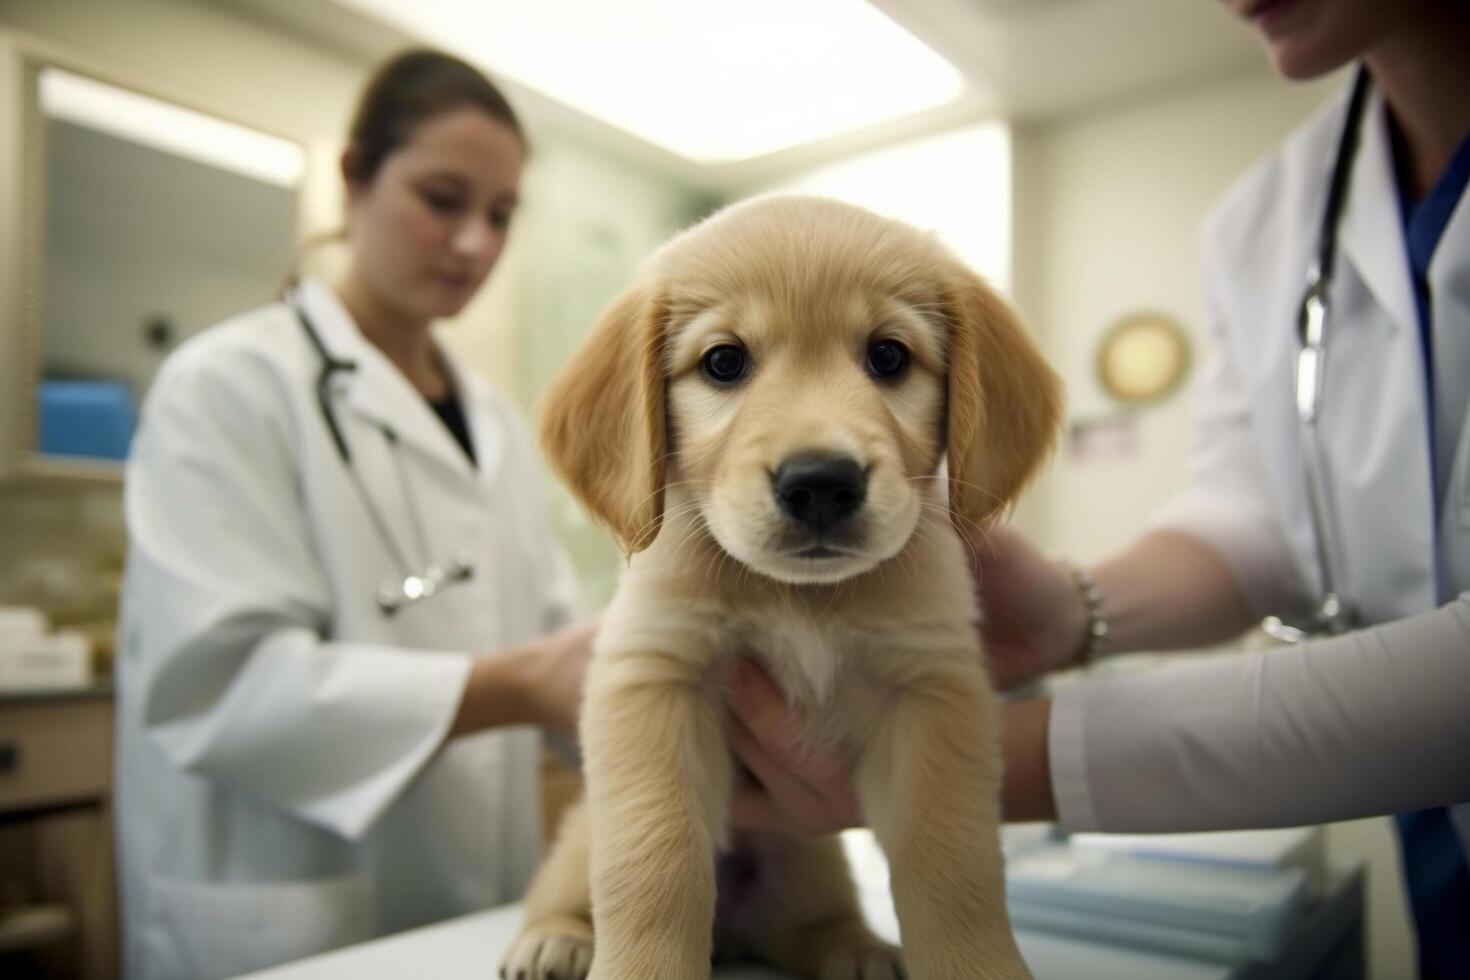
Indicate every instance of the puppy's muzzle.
{"type": "Point", "coordinates": [818, 490]}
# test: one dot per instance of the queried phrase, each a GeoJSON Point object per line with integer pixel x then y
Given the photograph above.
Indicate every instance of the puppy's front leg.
{"type": "Point", "coordinates": [928, 782]}
{"type": "Point", "coordinates": [658, 784]}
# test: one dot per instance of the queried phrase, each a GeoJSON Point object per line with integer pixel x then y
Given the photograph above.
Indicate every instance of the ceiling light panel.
{"type": "Point", "coordinates": [711, 80]}
{"type": "Point", "coordinates": [170, 128]}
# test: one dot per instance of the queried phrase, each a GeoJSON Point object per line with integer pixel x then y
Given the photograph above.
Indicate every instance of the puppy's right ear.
{"type": "Point", "coordinates": [1005, 403]}
{"type": "Point", "coordinates": [602, 419]}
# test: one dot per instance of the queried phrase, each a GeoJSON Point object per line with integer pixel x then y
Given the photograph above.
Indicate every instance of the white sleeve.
{"type": "Point", "coordinates": [1370, 723]}
{"type": "Point", "coordinates": [226, 605]}
{"type": "Point", "coordinates": [1227, 503]}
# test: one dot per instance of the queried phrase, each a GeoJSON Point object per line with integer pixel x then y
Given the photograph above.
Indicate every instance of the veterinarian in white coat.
{"type": "Point", "coordinates": [1376, 721]}
{"type": "Point", "coordinates": [300, 767]}
{"type": "Point", "coordinates": [1396, 447]}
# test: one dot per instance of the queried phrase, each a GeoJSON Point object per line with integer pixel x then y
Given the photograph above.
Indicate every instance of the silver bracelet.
{"type": "Point", "coordinates": [1097, 639]}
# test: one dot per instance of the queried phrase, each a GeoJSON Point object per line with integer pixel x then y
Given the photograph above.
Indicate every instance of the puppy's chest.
{"type": "Point", "coordinates": [809, 659]}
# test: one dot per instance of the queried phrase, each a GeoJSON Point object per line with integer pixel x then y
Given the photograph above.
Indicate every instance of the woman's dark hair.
{"type": "Point", "coordinates": [408, 90]}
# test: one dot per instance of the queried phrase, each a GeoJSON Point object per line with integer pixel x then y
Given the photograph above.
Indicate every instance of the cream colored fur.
{"type": "Point", "coordinates": [875, 648]}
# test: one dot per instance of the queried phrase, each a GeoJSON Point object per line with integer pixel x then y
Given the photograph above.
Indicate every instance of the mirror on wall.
{"type": "Point", "coordinates": [146, 221]}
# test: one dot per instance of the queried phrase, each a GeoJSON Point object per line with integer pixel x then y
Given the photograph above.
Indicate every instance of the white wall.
{"type": "Point", "coordinates": [1112, 203]}
{"type": "Point", "coordinates": [1108, 213]}
{"type": "Point", "coordinates": [559, 266]}
{"type": "Point", "coordinates": [217, 60]}
{"type": "Point", "coordinates": [124, 246]}
{"type": "Point", "coordinates": [957, 184]}
{"type": "Point", "coordinates": [63, 545]}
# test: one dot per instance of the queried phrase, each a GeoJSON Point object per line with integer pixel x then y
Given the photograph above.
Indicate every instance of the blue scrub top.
{"type": "Point", "coordinates": [1435, 868]}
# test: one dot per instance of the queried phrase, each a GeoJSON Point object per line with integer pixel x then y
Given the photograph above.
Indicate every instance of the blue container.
{"type": "Point", "coordinates": [86, 418]}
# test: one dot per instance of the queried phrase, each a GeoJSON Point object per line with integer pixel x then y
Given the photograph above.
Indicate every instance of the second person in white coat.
{"type": "Point", "coordinates": [340, 609]}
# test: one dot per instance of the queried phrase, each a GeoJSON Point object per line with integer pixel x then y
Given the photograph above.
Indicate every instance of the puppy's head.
{"type": "Point", "coordinates": [797, 368]}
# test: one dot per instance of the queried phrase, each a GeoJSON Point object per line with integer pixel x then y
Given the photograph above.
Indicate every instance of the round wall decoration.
{"type": "Point", "coordinates": [1143, 357]}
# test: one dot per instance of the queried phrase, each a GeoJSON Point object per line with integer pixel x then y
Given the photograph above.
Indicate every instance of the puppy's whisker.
{"type": "Point", "coordinates": [972, 538]}
{"type": "Point", "coordinates": [693, 534]}
{"type": "Point", "coordinates": [674, 518]}
{"type": "Point", "coordinates": [668, 484]}
{"type": "Point", "coordinates": [911, 555]}
{"type": "Point", "coordinates": [724, 559]}
{"type": "Point", "coordinates": [970, 525]}
{"type": "Point", "coordinates": [837, 590]}
{"type": "Point", "coordinates": [1000, 502]}
{"type": "Point", "coordinates": [934, 478]}
{"type": "Point", "coordinates": [667, 514]}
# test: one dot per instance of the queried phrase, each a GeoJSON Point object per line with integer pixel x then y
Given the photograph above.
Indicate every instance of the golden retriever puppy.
{"type": "Point", "coordinates": [763, 420]}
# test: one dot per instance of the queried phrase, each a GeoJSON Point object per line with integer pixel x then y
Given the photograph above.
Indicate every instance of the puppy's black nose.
{"type": "Point", "coordinates": [819, 490]}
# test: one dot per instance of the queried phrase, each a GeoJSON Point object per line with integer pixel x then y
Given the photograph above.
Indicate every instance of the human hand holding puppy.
{"type": "Point", "coordinates": [788, 786]}
{"type": "Point", "coordinates": [795, 788]}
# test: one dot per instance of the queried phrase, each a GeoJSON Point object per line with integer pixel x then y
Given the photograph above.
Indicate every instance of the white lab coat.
{"type": "Point", "coordinates": [281, 789]}
{"type": "Point", "coordinates": [1247, 495]}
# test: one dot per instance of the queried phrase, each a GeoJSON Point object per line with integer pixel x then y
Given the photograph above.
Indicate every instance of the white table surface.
{"type": "Point", "coordinates": [470, 947]}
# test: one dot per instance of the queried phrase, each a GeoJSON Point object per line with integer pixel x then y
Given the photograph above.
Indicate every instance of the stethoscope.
{"type": "Point", "coordinates": [1334, 614]}
{"type": "Point", "coordinates": [393, 594]}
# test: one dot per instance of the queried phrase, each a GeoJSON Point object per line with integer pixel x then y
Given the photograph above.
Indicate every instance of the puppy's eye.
{"type": "Point", "coordinates": [725, 364]}
{"type": "Point", "coordinates": [887, 359]}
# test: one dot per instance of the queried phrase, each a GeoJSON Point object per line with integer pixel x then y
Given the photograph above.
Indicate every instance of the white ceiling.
{"type": "Point", "coordinates": [1029, 60]}
{"type": "Point", "coordinates": [716, 81]}
{"type": "Point", "coordinates": [1045, 57]}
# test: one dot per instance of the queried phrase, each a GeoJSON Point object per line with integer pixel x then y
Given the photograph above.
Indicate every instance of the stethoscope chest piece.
{"type": "Point", "coordinates": [393, 595]}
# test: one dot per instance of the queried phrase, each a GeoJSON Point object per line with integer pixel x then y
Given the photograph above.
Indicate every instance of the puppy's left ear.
{"type": "Point", "coordinates": [1004, 402]}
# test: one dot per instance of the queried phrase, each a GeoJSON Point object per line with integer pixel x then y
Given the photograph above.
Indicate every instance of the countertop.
{"type": "Point", "coordinates": [97, 689]}
{"type": "Point", "coordinates": [469, 948]}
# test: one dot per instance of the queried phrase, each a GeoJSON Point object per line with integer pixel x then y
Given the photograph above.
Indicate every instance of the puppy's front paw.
{"type": "Point", "coordinates": [559, 949]}
{"type": "Point", "coordinates": [866, 959]}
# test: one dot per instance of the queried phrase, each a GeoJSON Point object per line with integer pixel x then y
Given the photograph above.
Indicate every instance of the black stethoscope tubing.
{"type": "Point", "coordinates": [1342, 169]}
{"type": "Point", "coordinates": [330, 366]}
{"type": "Point", "coordinates": [1333, 614]}
{"type": "Point", "coordinates": [390, 598]}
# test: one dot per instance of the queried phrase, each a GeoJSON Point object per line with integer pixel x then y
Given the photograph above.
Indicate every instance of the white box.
{"type": "Point", "coordinates": [1295, 847]}
{"type": "Point", "coordinates": [20, 625]}
{"type": "Point", "coordinates": [61, 660]}
{"type": "Point", "coordinates": [1221, 912]}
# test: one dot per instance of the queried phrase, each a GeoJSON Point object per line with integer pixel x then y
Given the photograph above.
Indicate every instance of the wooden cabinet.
{"type": "Point", "coordinates": [58, 888]}
{"type": "Point", "coordinates": [58, 891]}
